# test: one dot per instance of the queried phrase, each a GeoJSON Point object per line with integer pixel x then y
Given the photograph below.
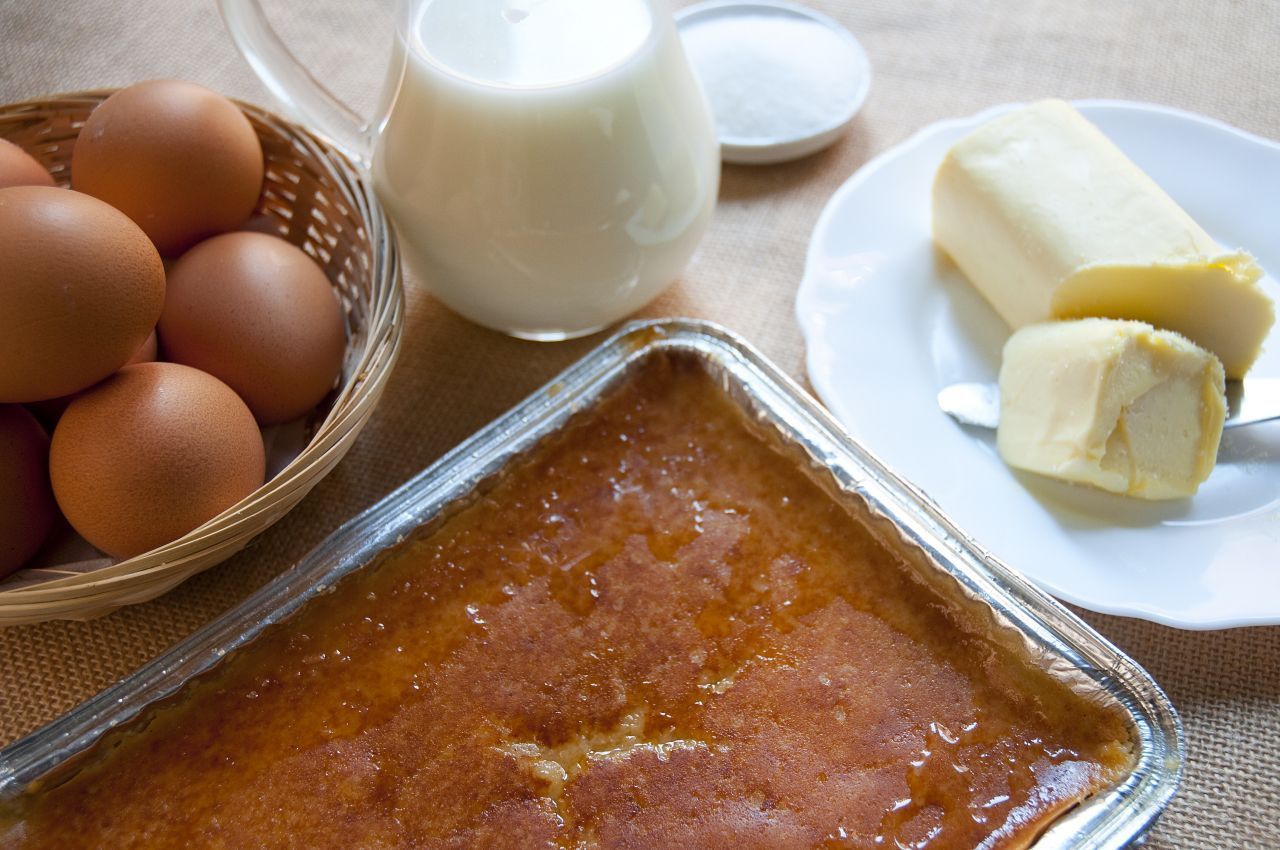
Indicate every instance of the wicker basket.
{"type": "Point", "coordinates": [315, 198]}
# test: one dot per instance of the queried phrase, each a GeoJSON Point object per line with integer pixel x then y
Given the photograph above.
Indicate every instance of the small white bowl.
{"type": "Point", "coordinates": [766, 146]}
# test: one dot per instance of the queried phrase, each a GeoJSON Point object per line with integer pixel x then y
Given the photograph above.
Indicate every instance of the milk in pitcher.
{"type": "Point", "coordinates": [550, 164]}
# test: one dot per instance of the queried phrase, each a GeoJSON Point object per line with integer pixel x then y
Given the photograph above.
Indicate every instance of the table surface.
{"type": "Point", "coordinates": [931, 59]}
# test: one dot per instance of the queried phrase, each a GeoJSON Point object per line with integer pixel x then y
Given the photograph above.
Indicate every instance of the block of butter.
{"type": "Point", "coordinates": [1050, 220]}
{"type": "Point", "coordinates": [1116, 404]}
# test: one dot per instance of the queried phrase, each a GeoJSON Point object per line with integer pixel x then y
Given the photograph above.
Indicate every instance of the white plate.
{"type": "Point", "coordinates": [888, 322]}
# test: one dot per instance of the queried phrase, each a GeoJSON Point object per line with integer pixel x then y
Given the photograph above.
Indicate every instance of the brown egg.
{"type": "Point", "coordinates": [49, 410]}
{"type": "Point", "coordinates": [180, 160]}
{"type": "Point", "coordinates": [26, 502]}
{"type": "Point", "coordinates": [19, 168]}
{"type": "Point", "coordinates": [82, 289]}
{"type": "Point", "coordinates": [151, 453]}
{"type": "Point", "coordinates": [258, 313]}
{"type": "Point", "coordinates": [147, 352]}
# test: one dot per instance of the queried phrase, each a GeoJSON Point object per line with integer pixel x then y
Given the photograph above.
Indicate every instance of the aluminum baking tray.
{"type": "Point", "coordinates": [1015, 611]}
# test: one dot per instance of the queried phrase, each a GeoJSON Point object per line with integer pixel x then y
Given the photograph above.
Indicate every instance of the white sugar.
{"type": "Point", "coordinates": [773, 76]}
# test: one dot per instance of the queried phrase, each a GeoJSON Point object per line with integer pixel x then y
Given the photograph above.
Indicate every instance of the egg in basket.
{"type": "Point", "coordinates": [202, 306]}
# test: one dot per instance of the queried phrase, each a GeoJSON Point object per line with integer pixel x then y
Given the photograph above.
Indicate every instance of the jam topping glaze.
{"type": "Point", "coordinates": [654, 632]}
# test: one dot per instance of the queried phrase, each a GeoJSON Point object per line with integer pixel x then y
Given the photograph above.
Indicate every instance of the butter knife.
{"type": "Point", "coordinates": [979, 404]}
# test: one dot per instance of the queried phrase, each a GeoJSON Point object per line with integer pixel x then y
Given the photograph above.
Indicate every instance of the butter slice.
{"type": "Point", "coordinates": [1116, 404]}
{"type": "Point", "coordinates": [1049, 220]}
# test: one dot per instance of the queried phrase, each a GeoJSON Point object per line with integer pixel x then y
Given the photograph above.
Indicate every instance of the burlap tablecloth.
{"type": "Point", "coordinates": [932, 59]}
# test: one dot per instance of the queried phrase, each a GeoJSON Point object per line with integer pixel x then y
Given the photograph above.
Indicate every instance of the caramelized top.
{"type": "Point", "coordinates": [656, 632]}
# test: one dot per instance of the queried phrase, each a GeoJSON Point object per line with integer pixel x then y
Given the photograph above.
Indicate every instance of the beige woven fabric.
{"type": "Point", "coordinates": [932, 59]}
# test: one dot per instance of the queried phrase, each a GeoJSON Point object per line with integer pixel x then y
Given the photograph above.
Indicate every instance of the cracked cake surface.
{"type": "Point", "coordinates": [654, 632]}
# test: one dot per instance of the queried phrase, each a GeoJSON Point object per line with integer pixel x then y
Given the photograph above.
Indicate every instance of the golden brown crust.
{"type": "Point", "coordinates": [657, 633]}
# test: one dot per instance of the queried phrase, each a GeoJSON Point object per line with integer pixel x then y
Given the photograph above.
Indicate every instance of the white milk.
{"type": "Point", "coordinates": [550, 164]}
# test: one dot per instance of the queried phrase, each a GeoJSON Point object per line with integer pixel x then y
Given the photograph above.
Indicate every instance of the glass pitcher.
{"type": "Point", "coordinates": [550, 165]}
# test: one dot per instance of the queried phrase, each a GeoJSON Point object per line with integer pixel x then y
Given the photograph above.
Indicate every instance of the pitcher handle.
{"type": "Point", "coordinates": [289, 81]}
